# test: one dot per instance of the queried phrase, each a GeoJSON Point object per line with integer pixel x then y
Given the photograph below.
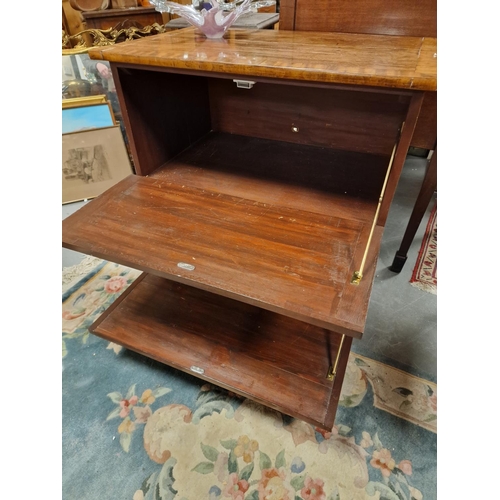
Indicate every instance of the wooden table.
{"type": "Point", "coordinates": [258, 207]}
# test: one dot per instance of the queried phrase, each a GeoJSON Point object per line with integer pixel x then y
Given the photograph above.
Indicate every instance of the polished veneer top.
{"type": "Point", "coordinates": [399, 62]}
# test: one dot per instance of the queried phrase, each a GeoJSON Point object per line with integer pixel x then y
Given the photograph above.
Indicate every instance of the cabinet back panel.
{"type": "Point", "coordinates": [348, 120]}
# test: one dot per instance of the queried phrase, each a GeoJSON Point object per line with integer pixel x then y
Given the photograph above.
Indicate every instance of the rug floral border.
{"type": "Point", "coordinates": [226, 446]}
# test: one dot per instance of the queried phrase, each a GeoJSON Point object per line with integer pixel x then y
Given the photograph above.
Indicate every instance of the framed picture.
{"type": "Point", "coordinates": [87, 117]}
{"type": "Point", "coordinates": [92, 162]}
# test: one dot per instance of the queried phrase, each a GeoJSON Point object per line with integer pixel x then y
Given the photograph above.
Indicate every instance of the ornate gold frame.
{"type": "Point", "coordinates": [82, 41]}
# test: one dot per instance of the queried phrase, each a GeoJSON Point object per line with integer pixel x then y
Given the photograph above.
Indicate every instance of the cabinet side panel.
{"type": "Point", "coordinates": [341, 119]}
{"type": "Point", "coordinates": [164, 113]}
{"type": "Point", "coordinates": [400, 156]}
{"type": "Point", "coordinates": [425, 135]}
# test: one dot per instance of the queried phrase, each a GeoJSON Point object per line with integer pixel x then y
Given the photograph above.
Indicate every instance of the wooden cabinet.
{"type": "Point", "coordinates": [139, 17]}
{"type": "Point", "coordinates": [266, 163]}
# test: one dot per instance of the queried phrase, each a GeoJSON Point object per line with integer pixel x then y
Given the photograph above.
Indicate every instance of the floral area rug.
{"type": "Point", "coordinates": [134, 429]}
{"type": "Point", "coordinates": [424, 274]}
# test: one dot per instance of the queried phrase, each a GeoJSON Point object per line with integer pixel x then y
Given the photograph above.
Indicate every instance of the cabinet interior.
{"type": "Point", "coordinates": [249, 213]}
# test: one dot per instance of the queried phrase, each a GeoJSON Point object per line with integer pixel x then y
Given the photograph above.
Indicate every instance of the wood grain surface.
{"type": "Point", "coordinates": [163, 114]}
{"type": "Point", "coordinates": [368, 122]}
{"type": "Point", "coordinates": [293, 176]}
{"type": "Point", "coordinates": [269, 358]}
{"type": "Point", "coordinates": [381, 17]}
{"type": "Point", "coordinates": [345, 58]}
{"type": "Point", "coordinates": [378, 17]}
{"type": "Point", "coordinates": [275, 255]}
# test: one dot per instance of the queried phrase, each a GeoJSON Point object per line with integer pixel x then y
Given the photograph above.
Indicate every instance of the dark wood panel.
{"type": "Point", "coordinates": [400, 156]}
{"type": "Point", "coordinates": [287, 14]}
{"type": "Point", "coordinates": [109, 18]}
{"type": "Point", "coordinates": [425, 135]}
{"type": "Point", "coordinates": [339, 119]}
{"type": "Point", "coordinates": [272, 359]}
{"type": "Point", "coordinates": [163, 114]}
{"type": "Point", "coordinates": [289, 175]}
{"type": "Point", "coordinates": [379, 17]}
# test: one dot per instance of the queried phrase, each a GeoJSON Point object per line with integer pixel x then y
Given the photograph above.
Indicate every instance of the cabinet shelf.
{"type": "Point", "coordinates": [277, 361]}
{"type": "Point", "coordinates": [217, 219]}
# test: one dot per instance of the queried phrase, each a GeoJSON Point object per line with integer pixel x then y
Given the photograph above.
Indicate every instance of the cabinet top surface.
{"type": "Point", "coordinates": [399, 62]}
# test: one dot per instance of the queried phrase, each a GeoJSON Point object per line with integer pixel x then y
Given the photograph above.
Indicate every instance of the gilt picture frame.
{"type": "Point", "coordinates": [81, 115]}
{"type": "Point", "coordinates": [76, 102]}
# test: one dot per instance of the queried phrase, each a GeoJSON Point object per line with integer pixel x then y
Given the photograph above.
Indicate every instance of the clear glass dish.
{"type": "Point", "coordinates": [212, 17]}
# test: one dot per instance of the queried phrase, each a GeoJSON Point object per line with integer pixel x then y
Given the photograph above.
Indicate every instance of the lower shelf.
{"type": "Point", "coordinates": [275, 360]}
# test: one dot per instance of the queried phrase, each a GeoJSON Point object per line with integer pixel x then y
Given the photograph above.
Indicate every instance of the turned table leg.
{"type": "Point", "coordinates": [429, 186]}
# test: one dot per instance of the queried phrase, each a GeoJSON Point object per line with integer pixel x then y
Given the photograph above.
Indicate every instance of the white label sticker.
{"type": "Point", "coordinates": [187, 267]}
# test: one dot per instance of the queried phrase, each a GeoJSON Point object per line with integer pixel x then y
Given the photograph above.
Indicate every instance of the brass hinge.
{"type": "Point", "coordinates": [356, 278]}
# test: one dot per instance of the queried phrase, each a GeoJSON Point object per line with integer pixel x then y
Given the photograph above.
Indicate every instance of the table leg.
{"type": "Point", "coordinates": [429, 186]}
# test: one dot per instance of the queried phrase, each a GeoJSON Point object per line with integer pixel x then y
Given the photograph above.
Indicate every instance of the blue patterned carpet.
{"type": "Point", "coordinates": [136, 429]}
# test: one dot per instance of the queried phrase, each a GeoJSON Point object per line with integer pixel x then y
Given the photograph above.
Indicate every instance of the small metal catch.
{"type": "Point", "coordinates": [331, 373]}
{"type": "Point", "coordinates": [187, 267]}
{"type": "Point", "coordinates": [295, 129]}
{"type": "Point", "coordinates": [198, 370]}
{"type": "Point", "coordinates": [356, 278]}
{"type": "Point", "coordinates": [244, 84]}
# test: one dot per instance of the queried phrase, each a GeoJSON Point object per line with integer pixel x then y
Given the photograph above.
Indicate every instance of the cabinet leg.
{"type": "Point", "coordinates": [398, 262]}
{"type": "Point", "coordinates": [429, 186]}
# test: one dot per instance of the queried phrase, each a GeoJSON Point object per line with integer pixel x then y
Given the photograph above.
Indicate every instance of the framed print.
{"type": "Point", "coordinates": [92, 162]}
{"type": "Point", "coordinates": [76, 119]}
